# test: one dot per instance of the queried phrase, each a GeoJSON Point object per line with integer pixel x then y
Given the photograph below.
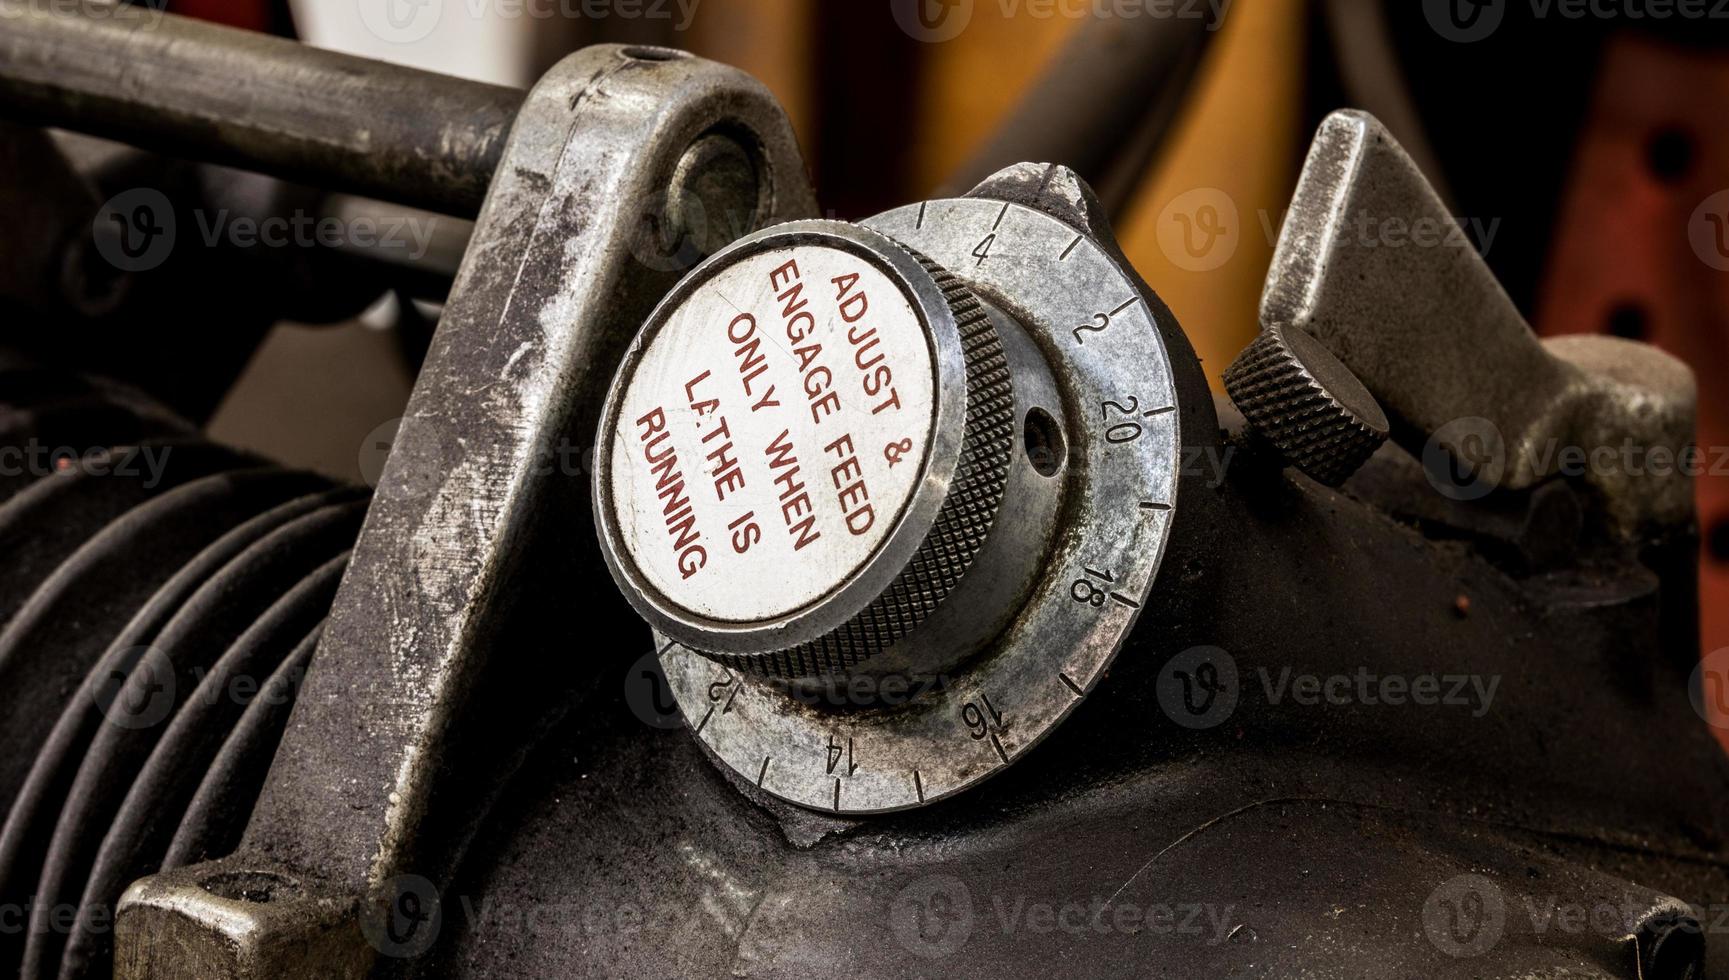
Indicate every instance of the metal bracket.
{"type": "Point", "coordinates": [439, 665]}
{"type": "Point", "coordinates": [1421, 320]}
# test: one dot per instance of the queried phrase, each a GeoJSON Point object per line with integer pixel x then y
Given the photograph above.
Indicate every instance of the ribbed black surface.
{"type": "Point", "coordinates": [140, 615]}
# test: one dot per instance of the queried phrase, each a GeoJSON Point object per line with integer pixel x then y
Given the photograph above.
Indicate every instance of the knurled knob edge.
{"type": "Point", "coordinates": [1286, 405]}
{"type": "Point", "coordinates": [961, 525]}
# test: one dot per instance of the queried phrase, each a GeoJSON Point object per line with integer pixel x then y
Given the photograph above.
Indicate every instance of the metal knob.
{"type": "Point", "coordinates": [892, 496]}
{"type": "Point", "coordinates": [805, 450]}
{"type": "Point", "coordinates": [1296, 396]}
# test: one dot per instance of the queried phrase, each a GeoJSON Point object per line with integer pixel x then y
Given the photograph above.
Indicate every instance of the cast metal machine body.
{"type": "Point", "coordinates": [994, 643]}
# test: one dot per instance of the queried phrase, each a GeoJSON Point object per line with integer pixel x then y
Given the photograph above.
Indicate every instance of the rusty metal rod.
{"type": "Point", "coordinates": [204, 92]}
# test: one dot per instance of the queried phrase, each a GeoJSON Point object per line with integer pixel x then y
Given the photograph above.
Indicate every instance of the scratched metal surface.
{"type": "Point", "coordinates": [467, 621]}
{"type": "Point", "coordinates": [1322, 841]}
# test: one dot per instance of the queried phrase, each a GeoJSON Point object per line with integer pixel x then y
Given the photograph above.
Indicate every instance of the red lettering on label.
{"type": "Point", "coordinates": [798, 319]}
{"type": "Point", "coordinates": [705, 406]}
{"type": "Point", "coordinates": [745, 532]}
{"type": "Point", "coordinates": [854, 497]}
{"type": "Point", "coordinates": [727, 475]}
{"type": "Point", "coordinates": [877, 376]}
{"type": "Point", "coordinates": [662, 459]}
{"type": "Point", "coordinates": [752, 364]}
{"type": "Point", "coordinates": [799, 323]}
{"type": "Point", "coordinates": [851, 307]}
{"type": "Point", "coordinates": [794, 501]}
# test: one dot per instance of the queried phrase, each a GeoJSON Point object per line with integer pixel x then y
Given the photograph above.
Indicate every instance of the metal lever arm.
{"type": "Point", "coordinates": [1372, 265]}
{"type": "Point", "coordinates": [458, 635]}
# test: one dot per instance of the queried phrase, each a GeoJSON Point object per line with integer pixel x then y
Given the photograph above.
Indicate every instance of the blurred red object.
{"type": "Point", "coordinates": [1642, 251]}
{"type": "Point", "coordinates": [253, 15]}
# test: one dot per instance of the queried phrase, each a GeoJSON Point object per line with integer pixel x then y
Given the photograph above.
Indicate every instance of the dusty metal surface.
{"type": "Point", "coordinates": [444, 654]}
{"type": "Point", "coordinates": [1275, 837]}
{"type": "Point", "coordinates": [198, 90]}
{"type": "Point", "coordinates": [1372, 265]}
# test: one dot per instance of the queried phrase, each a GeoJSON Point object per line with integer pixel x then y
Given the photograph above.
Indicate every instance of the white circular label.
{"type": "Point", "coordinates": [772, 433]}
